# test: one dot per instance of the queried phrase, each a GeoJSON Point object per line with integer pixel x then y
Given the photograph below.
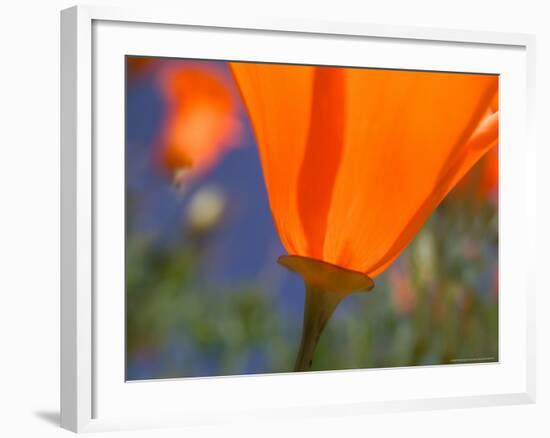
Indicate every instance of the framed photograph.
{"type": "Point", "coordinates": [282, 218]}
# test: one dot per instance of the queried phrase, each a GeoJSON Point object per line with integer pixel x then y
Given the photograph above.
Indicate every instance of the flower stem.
{"type": "Point", "coordinates": [326, 285]}
{"type": "Point", "coordinates": [319, 307]}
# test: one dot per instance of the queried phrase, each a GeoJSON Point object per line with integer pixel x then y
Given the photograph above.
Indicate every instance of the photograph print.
{"type": "Point", "coordinates": [290, 218]}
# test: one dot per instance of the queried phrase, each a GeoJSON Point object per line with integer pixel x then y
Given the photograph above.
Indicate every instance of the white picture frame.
{"type": "Point", "coordinates": [93, 395]}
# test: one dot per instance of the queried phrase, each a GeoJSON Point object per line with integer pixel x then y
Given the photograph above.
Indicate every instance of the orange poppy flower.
{"type": "Point", "coordinates": [355, 160]}
{"type": "Point", "coordinates": [202, 120]}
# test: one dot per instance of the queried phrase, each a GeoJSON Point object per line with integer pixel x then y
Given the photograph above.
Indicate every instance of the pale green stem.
{"type": "Point", "coordinates": [318, 308]}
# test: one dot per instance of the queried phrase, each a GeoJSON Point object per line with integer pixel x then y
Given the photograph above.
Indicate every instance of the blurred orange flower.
{"type": "Point", "coordinates": [481, 182]}
{"type": "Point", "coordinates": [402, 293]}
{"type": "Point", "coordinates": [202, 121]}
{"type": "Point", "coordinates": [355, 160]}
{"type": "Point", "coordinates": [137, 66]}
{"type": "Point", "coordinates": [489, 181]}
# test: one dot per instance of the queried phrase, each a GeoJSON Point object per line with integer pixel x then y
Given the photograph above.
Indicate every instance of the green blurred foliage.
{"type": "Point", "coordinates": [437, 304]}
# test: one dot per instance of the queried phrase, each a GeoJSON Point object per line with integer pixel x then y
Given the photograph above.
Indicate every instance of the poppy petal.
{"type": "Point", "coordinates": [278, 99]}
{"type": "Point", "coordinates": [407, 142]}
